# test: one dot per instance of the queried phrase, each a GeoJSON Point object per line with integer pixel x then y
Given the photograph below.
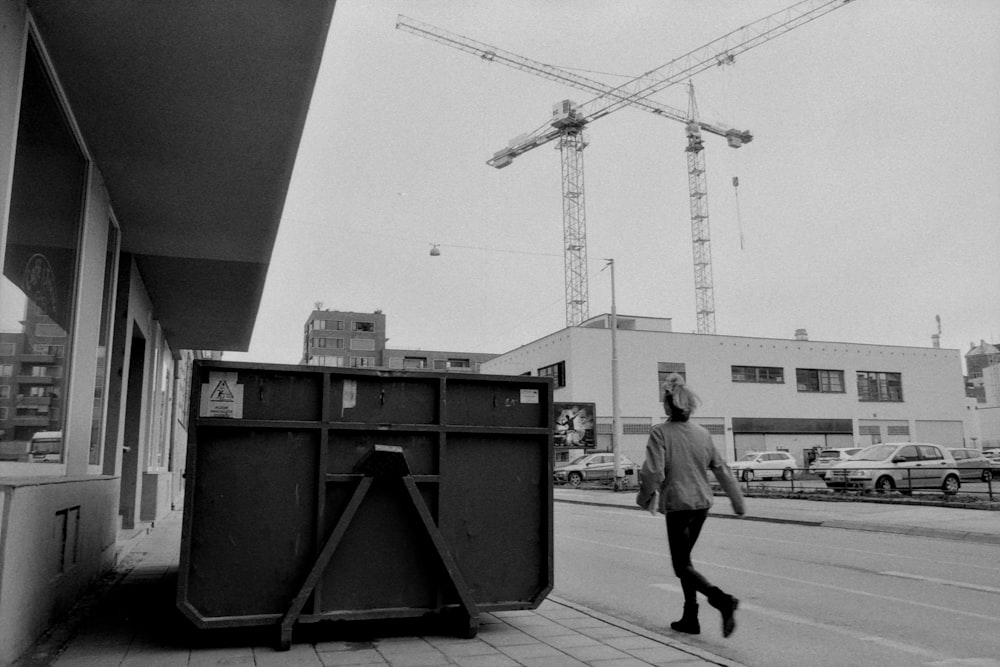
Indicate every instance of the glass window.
{"type": "Point", "coordinates": [663, 371]}
{"type": "Point", "coordinates": [819, 381]}
{"type": "Point", "coordinates": [414, 362]}
{"type": "Point", "coordinates": [362, 343]}
{"type": "Point", "coordinates": [39, 264]}
{"type": "Point", "coordinates": [103, 345]}
{"type": "Point", "coordinates": [362, 362]}
{"type": "Point", "coordinates": [909, 453]}
{"type": "Point", "coordinates": [878, 386]}
{"type": "Point", "coordinates": [929, 452]}
{"type": "Point", "coordinates": [759, 374]}
{"type": "Point", "coordinates": [556, 371]}
{"type": "Point", "coordinates": [360, 325]}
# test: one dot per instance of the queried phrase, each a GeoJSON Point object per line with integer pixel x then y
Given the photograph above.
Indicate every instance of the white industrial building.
{"type": "Point", "coordinates": [758, 394]}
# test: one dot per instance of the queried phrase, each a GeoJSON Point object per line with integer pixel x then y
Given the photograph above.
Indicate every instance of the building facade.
{"type": "Point", "coordinates": [982, 389]}
{"type": "Point", "coordinates": [758, 394]}
{"type": "Point", "coordinates": [349, 339]}
{"type": "Point", "coordinates": [133, 236]}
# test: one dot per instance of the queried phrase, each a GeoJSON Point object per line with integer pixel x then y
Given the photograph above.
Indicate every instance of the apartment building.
{"type": "Point", "coordinates": [349, 339]}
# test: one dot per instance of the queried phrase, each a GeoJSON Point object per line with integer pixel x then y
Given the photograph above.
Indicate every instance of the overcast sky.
{"type": "Point", "coordinates": [868, 202]}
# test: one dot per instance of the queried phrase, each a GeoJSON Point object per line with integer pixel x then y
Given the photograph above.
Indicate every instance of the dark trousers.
{"type": "Point", "coordinates": [683, 529]}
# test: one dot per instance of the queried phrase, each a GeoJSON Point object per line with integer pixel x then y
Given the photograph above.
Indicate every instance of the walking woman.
{"type": "Point", "coordinates": [674, 480]}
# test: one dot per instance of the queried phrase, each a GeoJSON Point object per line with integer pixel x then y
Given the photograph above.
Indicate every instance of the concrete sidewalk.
{"type": "Point", "coordinates": [131, 619]}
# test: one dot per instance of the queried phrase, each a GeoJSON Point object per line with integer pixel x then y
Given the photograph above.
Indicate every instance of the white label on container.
{"type": "Point", "coordinates": [350, 394]}
{"type": "Point", "coordinates": [222, 397]}
{"type": "Point", "coordinates": [529, 396]}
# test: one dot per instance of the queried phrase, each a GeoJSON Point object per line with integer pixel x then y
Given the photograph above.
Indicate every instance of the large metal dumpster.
{"type": "Point", "coordinates": [332, 494]}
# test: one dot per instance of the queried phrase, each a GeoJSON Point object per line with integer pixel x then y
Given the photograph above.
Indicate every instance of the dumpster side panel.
{"type": "Point", "coordinates": [375, 399]}
{"type": "Point", "coordinates": [348, 448]}
{"type": "Point", "coordinates": [493, 513]}
{"type": "Point", "coordinates": [283, 396]}
{"type": "Point", "coordinates": [385, 559]}
{"type": "Point", "coordinates": [253, 527]}
{"type": "Point", "coordinates": [488, 401]}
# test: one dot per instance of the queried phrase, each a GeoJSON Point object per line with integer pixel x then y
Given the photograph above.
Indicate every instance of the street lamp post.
{"type": "Point", "coordinates": [615, 415]}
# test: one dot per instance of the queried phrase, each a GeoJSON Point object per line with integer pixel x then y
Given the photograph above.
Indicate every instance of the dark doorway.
{"type": "Point", "coordinates": [131, 485]}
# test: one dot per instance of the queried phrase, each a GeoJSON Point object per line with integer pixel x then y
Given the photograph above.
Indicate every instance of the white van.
{"type": "Point", "coordinates": [46, 447]}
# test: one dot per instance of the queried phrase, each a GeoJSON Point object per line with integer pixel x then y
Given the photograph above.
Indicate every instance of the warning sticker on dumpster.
{"type": "Point", "coordinates": [221, 397]}
{"type": "Point", "coordinates": [529, 396]}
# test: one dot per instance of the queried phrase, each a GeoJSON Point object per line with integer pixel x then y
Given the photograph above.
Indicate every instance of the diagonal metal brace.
{"type": "Point", "coordinates": [383, 462]}
{"type": "Point", "coordinates": [299, 601]}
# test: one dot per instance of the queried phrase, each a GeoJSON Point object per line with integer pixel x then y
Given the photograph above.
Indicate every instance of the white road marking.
{"type": "Point", "coordinates": [804, 582]}
{"type": "Point", "coordinates": [946, 582]}
{"type": "Point", "coordinates": [837, 629]}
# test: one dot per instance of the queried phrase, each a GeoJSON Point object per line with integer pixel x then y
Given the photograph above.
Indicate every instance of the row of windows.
{"type": "Point", "coordinates": [872, 385]}
{"type": "Point", "coordinates": [338, 343]}
{"type": "Point", "coordinates": [338, 325]}
{"type": "Point", "coordinates": [438, 364]}
{"type": "Point", "coordinates": [9, 350]}
{"type": "Point", "coordinates": [342, 362]}
{"type": "Point", "coordinates": [7, 370]}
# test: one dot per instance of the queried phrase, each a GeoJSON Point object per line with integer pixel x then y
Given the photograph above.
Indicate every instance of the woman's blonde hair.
{"type": "Point", "coordinates": [678, 399]}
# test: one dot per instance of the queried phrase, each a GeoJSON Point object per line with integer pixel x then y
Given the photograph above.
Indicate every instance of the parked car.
{"type": "Point", "coordinates": [993, 456]}
{"type": "Point", "coordinates": [827, 457]}
{"type": "Point", "coordinates": [598, 467]}
{"type": "Point", "coordinates": [972, 465]}
{"type": "Point", "coordinates": [765, 465]}
{"type": "Point", "coordinates": [899, 465]}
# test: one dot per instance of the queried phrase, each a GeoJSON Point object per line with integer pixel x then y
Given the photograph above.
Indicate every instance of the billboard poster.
{"type": "Point", "coordinates": [574, 424]}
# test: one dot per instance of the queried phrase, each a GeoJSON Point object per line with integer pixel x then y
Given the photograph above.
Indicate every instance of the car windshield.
{"type": "Point", "coordinates": [749, 457]}
{"type": "Point", "coordinates": [829, 454]}
{"type": "Point", "coordinates": [578, 460]}
{"type": "Point", "coordinates": [875, 453]}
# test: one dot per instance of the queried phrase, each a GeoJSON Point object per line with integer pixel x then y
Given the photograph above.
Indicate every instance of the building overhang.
{"type": "Point", "coordinates": [193, 112]}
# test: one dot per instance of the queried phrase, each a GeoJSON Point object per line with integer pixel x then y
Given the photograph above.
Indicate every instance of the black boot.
{"type": "Point", "coordinates": [689, 621]}
{"type": "Point", "coordinates": [726, 604]}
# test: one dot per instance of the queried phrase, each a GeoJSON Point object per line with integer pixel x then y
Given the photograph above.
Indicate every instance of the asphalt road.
{"type": "Point", "coordinates": [808, 595]}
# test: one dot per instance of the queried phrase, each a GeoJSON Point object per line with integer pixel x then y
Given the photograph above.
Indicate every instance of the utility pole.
{"type": "Point", "coordinates": [615, 416]}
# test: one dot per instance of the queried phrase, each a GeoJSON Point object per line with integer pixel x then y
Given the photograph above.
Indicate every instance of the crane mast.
{"type": "Point", "coordinates": [701, 237]}
{"type": "Point", "coordinates": [571, 145]}
{"type": "Point", "coordinates": [570, 119]}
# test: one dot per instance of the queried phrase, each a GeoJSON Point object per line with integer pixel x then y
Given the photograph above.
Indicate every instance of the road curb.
{"type": "Point", "coordinates": [913, 531]}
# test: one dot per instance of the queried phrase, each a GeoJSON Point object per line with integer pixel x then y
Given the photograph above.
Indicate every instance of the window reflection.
{"type": "Point", "coordinates": [39, 273]}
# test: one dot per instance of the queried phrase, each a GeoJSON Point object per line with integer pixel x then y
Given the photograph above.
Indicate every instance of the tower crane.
{"type": "Point", "coordinates": [568, 121]}
{"type": "Point", "coordinates": [572, 144]}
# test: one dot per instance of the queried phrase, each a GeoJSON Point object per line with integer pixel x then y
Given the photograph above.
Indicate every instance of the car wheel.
{"type": "Point", "coordinates": [951, 485]}
{"type": "Point", "coordinates": [747, 476]}
{"type": "Point", "coordinates": [575, 479]}
{"type": "Point", "coordinates": [987, 476]}
{"type": "Point", "coordinates": [787, 474]}
{"type": "Point", "coordinates": [884, 484]}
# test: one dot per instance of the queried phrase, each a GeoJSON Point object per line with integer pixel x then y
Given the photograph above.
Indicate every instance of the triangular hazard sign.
{"type": "Point", "coordinates": [222, 392]}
